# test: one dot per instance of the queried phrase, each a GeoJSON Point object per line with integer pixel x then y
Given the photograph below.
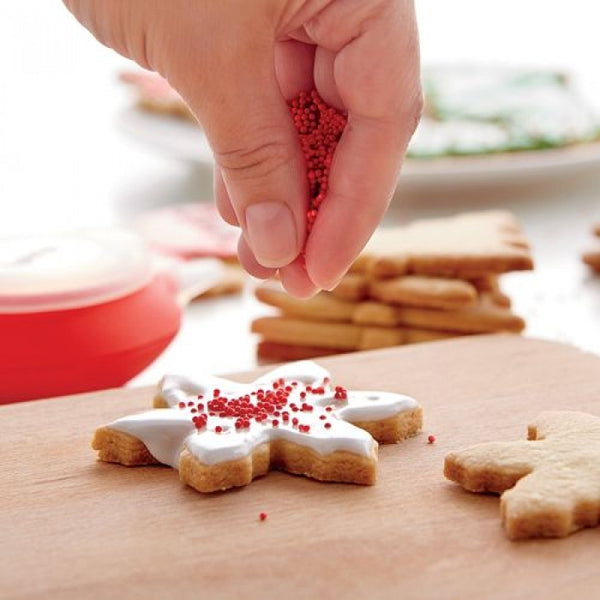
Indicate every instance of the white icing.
{"type": "Point", "coordinates": [165, 432]}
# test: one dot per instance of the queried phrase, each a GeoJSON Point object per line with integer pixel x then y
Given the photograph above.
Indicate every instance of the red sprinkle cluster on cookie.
{"type": "Point", "coordinates": [270, 406]}
{"type": "Point", "coordinates": [320, 128]}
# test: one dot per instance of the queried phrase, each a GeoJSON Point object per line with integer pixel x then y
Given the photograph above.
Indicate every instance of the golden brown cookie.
{"type": "Point", "coordinates": [352, 286]}
{"type": "Point", "coordinates": [271, 352]}
{"type": "Point", "coordinates": [221, 434]}
{"type": "Point", "coordinates": [408, 290]}
{"type": "Point", "coordinates": [484, 317]}
{"type": "Point", "coordinates": [464, 246]}
{"type": "Point", "coordinates": [550, 484]}
{"type": "Point", "coordinates": [491, 284]}
{"type": "Point", "coordinates": [340, 336]}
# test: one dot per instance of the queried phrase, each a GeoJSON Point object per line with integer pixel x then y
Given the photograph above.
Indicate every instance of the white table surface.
{"type": "Point", "coordinates": [64, 164]}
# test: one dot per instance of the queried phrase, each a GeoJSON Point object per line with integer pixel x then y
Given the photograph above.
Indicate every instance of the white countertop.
{"type": "Point", "coordinates": [64, 164]}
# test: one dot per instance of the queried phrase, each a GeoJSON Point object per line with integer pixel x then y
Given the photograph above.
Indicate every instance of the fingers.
{"type": "Point", "coordinates": [294, 62]}
{"type": "Point", "coordinates": [246, 120]}
{"type": "Point", "coordinates": [376, 77]}
{"type": "Point", "coordinates": [361, 184]}
{"type": "Point", "coordinates": [296, 281]}
{"type": "Point", "coordinates": [247, 260]}
{"type": "Point", "coordinates": [263, 174]}
{"type": "Point", "coordinates": [293, 276]}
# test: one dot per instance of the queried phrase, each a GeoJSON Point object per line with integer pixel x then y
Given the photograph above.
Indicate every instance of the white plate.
{"type": "Point", "coordinates": [185, 141]}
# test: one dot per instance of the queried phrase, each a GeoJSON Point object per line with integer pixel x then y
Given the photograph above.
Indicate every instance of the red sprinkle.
{"type": "Point", "coordinates": [262, 516]}
{"type": "Point", "coordinates": [218, 429]}
{"type": "Point", "coordinates": [319, 128]}
{"type": "Point", "coordinates": [327, 425]}
{"type": "Point", "coordinates": [430, 439]}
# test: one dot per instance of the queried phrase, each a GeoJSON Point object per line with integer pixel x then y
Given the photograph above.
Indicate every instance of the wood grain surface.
{"type": "Point", "coordinates": [71, 527]}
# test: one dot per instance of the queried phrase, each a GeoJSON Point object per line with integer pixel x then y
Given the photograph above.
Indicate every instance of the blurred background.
{"type": "Point", "coordinates": [72, 155]}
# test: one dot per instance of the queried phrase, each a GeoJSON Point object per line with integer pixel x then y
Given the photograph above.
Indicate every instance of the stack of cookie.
{"type": "Point", "coordinates": [592, 257]}
{"type": "Point", "coordinates": [432, 279]}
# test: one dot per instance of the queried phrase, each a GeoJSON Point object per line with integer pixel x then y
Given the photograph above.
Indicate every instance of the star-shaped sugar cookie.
{"type": "Point", "coordinates": [221, 434]}
{"type": "Point", "coordinates": [550, 483]}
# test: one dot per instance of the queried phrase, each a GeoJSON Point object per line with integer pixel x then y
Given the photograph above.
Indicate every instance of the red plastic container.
{"type": "Point", "coordinates": [80, 312]}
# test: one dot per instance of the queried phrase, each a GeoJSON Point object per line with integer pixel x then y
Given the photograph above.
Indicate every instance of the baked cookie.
{"type": "Point", "coordinates": [274, 352]}
{"type": "Point", "coordinates": [340, 336]}
{"type": "Point", "coordinates": [408, 290]}
{"type": "Point", "coordinates": [550, 484]}
{"type": "Point", "coordinates": [465, 246]}
{"type": "Point", "coordinates": [484, 317]}
{"type": "Point", "coordinates": [220, 434]}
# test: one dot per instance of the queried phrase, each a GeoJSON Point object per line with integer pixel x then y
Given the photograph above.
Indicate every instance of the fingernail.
{"type": "Point", "coordinates": [271, 233]}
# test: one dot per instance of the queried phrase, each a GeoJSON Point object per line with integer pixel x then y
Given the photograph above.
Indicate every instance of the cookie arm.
{"type": "Point", "coordinates": [120, 447]}
{"type": "Point", "coordinates": [491, 467]}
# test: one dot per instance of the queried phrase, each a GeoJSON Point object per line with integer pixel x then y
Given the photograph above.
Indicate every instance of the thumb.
{"type": "Point", "coordinates": [248, 125]}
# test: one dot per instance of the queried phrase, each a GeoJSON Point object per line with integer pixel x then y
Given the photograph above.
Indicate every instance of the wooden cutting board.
{"type": "Point", "coordinates": [71, 527]}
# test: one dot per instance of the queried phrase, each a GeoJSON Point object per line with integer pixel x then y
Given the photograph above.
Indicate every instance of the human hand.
{"type": "Point", "coordinates": [237, 63]}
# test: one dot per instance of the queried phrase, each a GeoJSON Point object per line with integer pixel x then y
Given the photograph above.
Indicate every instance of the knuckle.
{"type": "Point", "coordinates": [258, 159]}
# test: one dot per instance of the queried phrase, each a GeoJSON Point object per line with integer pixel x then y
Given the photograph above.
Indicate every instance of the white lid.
{"type": "Point", "coordinates": [71, 270]}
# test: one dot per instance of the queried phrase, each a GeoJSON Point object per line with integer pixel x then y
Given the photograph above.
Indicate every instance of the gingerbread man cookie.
{"type": "Point", "coordinates": [550, 483]}
{"type": "Point", "coordinates": [221, 434]}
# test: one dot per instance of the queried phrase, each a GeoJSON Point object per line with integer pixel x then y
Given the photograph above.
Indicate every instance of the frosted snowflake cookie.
{"type": "Point", "coordinates": [221, 434]}
{"type": "Point", "coordinates": [550, 483]}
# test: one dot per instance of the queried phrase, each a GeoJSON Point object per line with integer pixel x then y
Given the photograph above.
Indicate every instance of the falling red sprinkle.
{"type": "Point", "coordinates": [430, 439]}
{"type": "Point", "coordinates": [319, 128]}
{"type": "Point", "coordinates": [262, 516]}
{"type": "Point", "coordinates": [182, 405]}
{"type": "Point", "coordinates": [327, 425]}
